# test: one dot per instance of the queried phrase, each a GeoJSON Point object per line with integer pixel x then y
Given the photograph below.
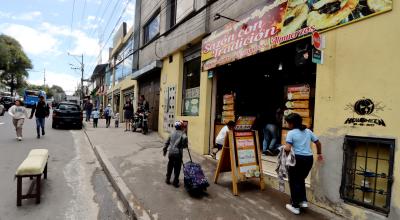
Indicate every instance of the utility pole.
{"type": "Point", "coordinates": [82, 68]}
{"type": "Point", "coordinates": [44, 78]}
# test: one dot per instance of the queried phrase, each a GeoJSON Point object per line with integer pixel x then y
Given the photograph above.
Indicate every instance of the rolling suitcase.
{"type": "Point", "coordinates": [194, 179]}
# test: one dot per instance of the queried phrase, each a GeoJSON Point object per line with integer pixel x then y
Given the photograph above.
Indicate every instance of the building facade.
{"type": "Point", "coordinates": [122, 63]}
{"type": "Point", "coordinates": [194, 53]}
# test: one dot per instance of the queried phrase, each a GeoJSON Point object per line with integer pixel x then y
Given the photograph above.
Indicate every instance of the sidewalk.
{"type": "Point", "coordinates": [136, 167]}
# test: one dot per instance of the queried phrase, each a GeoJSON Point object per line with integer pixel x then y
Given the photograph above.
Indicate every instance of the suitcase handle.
{"type": "Point", "coordinates": [190, 156]}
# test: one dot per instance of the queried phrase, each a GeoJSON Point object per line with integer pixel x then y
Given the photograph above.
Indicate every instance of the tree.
{"type": "Point", "coordinates": [13, 63]}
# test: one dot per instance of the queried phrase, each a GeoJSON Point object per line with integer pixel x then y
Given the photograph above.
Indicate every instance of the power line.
{"type": "Point", "coordinates": [114, 28]}
{"type": "Point", "coordinates": [83, 11]}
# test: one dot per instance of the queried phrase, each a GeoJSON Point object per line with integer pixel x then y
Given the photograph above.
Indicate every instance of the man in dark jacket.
{"type": "Point", "coordinates": [41, 111]}
{"type": "Point", "coordinates": [176, 142]}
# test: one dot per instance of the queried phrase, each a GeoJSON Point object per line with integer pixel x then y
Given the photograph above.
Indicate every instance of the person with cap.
{"type": "Point", "coordinates": [108, 114]}
{"type": "Point", "coordinates": [175, 144]}
{"type": "Point", "coordinates": [41, 111]}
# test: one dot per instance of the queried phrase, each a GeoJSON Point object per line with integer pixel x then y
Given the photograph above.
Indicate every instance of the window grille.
{"type": "Point", "coordinates": [367, 174]}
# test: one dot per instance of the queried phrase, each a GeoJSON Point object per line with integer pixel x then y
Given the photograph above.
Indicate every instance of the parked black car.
{"type": "Point", "coordinates": [7, 102]}
{"type": "Point", "coordinates": [67, 114]}
{"type": "Point", "coordinates": [2, 110]}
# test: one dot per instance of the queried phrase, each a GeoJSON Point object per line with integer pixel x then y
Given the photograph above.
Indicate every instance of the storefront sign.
{"type": "Point", "coordinates": [280, 22]}
{"type": "Point", "coordinates": [316, 40]}
{"type": "Point", "coordinates": [366, 111]}
{"type": "Point", "coordinates": [317, 56]}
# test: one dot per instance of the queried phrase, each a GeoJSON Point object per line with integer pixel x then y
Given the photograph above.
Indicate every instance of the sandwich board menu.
{"type": "Point", "coordinates": [241, 156]}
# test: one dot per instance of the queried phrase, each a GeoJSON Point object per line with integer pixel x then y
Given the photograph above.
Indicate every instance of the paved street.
{"type": "Point", "coordinates": [76, 187]}
{"type": "Point", "coordinates": [137, 165]}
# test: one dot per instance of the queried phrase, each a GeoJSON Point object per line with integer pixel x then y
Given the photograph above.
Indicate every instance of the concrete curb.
{"type": "Point", "coordinates": [134, 208]}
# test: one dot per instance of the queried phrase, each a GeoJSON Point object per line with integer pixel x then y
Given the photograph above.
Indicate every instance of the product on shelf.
{"type": "Point", "coordinates": [304, 113]}
{"type": "Point", "coordinates": [228, 113]}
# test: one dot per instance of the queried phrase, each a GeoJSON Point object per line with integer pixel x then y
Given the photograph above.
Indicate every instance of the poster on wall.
{"type": "Point", "coordinates": [280, 22]}
{"type": "Point", "coordinates": [191, 102]}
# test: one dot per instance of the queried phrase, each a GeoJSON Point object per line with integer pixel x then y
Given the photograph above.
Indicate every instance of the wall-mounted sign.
{"type": "Point", "coordinates": [317, 56]}
{"type": "Point", "coordinates": [365, 113]}
{"type": "Point", "coordinates": [280, 22]}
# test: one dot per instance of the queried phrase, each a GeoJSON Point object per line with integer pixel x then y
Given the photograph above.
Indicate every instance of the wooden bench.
{"type": "Point", "coordinates": [34, 165]}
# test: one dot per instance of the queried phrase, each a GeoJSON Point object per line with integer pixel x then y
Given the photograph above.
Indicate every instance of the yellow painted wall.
{"type": "Point", "coordinates": [199, 126]}
{"type": "Point", "coordinates": [360, 60]}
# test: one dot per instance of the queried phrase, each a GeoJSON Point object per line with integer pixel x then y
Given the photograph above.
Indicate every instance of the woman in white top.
{"type": "Point", "coordinates": [18, 113]}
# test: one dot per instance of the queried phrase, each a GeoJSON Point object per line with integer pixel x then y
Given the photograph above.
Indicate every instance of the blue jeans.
{"type": "Point", "coordinates": [39, 124]}
{"type": "Point", "coordinates": [270, 141]}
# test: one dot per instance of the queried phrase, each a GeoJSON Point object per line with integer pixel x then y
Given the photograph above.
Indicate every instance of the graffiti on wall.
{"type": "Point", "coordinates": [365, 113]}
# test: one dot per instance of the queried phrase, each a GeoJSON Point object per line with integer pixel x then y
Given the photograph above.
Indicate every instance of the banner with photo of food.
{"type": "Point", "coordinates": [280, 22]}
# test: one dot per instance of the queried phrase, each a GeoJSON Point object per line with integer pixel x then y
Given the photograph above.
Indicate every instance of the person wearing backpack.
{"type": "Point", "coordinates": [41, 111]}
{"type": "Point", "coordinates": [175, 143]}
{"type": "Point", "coordinates": [108, 115]}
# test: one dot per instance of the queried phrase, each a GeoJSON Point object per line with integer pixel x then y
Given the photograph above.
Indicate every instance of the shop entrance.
{"type": "Point", "coordinates": [260, 86]}
{"type": "Point", "coordinates": [149, 86]}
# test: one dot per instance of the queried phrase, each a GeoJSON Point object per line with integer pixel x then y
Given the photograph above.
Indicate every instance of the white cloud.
{"type": "Point", "coordinates": [26, 16]}
{"type": "Point", "coordinates": [129, 16]}
{"type": "Point", "coordinates": [33, 41]}
{"type": "Point", "coordinates": [67, 81]}
{"type": "Point", "coordinates": [81, 41]}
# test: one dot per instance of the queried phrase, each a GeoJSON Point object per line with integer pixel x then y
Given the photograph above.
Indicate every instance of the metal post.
{"type": "Point", "coordinates": [82, 70]}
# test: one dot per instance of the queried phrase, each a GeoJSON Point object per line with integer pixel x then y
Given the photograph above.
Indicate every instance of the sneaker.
{"type": "Point", "coordinates": [38, 136]}
{"type": "Point", "coordinates": [292, 209]}
{"type": "Point", "coordinates": [167, 181]}
{"type": "Point", "coordinates": [176, 184]}
{"type": "Point", "coordinates": [304, 204]}
{"type": "Point", "coordinates": [43, 133]}
{"type": "Point", "coordinates": [19, 138]}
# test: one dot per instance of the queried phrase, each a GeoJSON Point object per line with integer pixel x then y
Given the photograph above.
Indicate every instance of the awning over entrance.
{"type": "Point", "coordinates": [155, 65]}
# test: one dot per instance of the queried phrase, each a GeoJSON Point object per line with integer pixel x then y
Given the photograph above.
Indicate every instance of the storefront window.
{"type": "Point", "coordinates": [191, 88]}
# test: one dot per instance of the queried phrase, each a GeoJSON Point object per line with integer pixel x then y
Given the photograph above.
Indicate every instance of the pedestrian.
{"type": "Point", "coordinates": [107, 115]}
{"type": "Point", "coordinates": [116, 120]}
{"type": "Point", "coordinates": [89, 108]}
{"type": "Point", "coordinates": [18, 113]}
{"type": "Point", "coordinates": [175, 144]}
{"type": "Point", "coordinates": [220, 139]}
{"type": "Point", "coordinates": [96, 116]}
{"type": "Point", "coordinates": [143, 104]}
{"type": "Point", "coordinates": [299, 140]}
{"type": "Point", "coordinates": [41, 111]}
{"type": "Point", "coordinates": [128, 114]}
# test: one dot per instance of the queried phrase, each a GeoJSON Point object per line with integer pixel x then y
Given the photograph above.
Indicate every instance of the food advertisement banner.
{"type": "Point", "coordinates": [282, 21]}
{"type": "Point", "coordinates": [246, 153]}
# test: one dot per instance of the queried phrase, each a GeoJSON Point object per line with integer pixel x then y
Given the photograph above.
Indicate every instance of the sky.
{"type": "Point", "coordinates": [50, 29]}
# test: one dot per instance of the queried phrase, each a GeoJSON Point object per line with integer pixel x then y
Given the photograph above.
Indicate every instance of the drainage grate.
{"type": "Point", "coordinates": [367, 174]}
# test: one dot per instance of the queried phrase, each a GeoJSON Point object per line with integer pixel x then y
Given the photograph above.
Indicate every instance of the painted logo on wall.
{"type": "Point", "coordinates": [367, 113]}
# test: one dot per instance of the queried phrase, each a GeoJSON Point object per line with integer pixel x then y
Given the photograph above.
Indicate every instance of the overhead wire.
{"type": "Point", "coordinates": [114, 28]}
{"type": "Point", "coordinates": [222, 7]}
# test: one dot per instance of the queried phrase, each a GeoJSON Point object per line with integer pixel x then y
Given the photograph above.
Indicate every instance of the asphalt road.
{"type": "Point", "coordinates": [76, 187]}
